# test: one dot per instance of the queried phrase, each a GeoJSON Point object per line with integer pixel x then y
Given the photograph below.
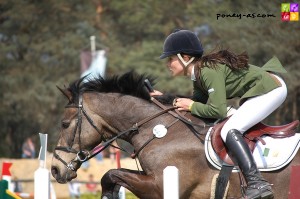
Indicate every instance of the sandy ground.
{"type": "Point", "coordinates": [24, 169]}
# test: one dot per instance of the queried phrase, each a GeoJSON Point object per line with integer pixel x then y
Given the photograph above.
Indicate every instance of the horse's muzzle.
{"type": "Point", "coordinates": [62, 178]}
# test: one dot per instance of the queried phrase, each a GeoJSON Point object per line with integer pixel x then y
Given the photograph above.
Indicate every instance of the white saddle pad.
{"type": "Point", "coordinates": [274, 155]}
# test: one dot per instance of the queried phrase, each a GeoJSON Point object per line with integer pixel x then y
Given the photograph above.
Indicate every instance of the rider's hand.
{"type": "Point", "coordinates": [183, 104]}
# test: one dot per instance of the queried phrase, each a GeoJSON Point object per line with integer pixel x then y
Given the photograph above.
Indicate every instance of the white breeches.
{"type": "Point", "coordinates": [255, 109]}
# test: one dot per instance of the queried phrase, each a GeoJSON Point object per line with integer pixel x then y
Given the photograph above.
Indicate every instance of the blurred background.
{"type": "Point", "coordinates": [42, 41]}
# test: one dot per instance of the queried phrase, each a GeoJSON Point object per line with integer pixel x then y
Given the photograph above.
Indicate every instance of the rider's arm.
{"type": "Point", "coordinates": [199, 95]}
{"type": "Point", "coordinates": [213, 81]}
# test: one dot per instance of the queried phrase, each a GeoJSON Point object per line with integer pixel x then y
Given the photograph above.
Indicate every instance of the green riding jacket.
{"type": "Point", "coordinates": [220, 84]}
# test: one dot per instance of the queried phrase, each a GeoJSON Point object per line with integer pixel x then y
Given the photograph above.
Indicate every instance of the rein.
{"type": "Point", "coordinates": [84, 155]}
{"type": "Point", "coordinates": [179, 116]}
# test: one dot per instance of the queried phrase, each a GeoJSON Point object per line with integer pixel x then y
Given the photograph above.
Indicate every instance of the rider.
{"type": "Point", "coordinates": [222, 75]}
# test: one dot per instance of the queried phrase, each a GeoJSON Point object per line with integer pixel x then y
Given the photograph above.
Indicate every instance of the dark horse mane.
{"type": "Point", "coordinates": [130, 83]}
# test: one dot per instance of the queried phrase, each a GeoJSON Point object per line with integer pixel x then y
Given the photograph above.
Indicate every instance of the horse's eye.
{"type": "Point", "coordinates": [65, 124]}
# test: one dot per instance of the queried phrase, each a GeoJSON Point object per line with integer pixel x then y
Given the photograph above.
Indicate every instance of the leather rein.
{"type": "Point", "coordinates": [83, 155]}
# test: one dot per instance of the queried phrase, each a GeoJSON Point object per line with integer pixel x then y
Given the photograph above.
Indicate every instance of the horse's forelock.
{"type": "Point", "coordinates": [75, 89]}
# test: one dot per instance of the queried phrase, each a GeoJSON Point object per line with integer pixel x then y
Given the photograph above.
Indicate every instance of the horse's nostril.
{"type": "Point", "coordinates": [54, 171]}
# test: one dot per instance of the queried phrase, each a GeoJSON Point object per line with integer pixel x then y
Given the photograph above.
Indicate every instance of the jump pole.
{"type": "Point", "coordinates": [42, 175]}
{"type": "Point", "coordinates": [171, 182]}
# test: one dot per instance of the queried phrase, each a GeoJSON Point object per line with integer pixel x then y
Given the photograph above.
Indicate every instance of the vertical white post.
{"type": "Point", "coordinates": [41, 184]}
{"type": "Point", "coordinates": [42, 175]}
{"type": "Point", "coordinates": [122, 194]}
{"type": "Point", "coordinates": [93, 46]}
{"type": "Point", "coordinates": [171, 183]}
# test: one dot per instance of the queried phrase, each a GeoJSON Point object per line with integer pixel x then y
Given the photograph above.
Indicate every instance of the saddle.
{"type": "Point", "coordinates": [251, 136]}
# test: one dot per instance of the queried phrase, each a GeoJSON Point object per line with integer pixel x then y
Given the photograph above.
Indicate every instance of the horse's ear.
{"type": "Point", "coordinates": [66, 93]}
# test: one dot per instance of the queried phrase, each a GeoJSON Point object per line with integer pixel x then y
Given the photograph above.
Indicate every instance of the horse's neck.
{"type": "Point", "coordinates": [121, 112]}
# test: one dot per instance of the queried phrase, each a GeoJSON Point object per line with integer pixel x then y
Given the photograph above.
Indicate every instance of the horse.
{"type": "Point", "coordinates": [120, 107]}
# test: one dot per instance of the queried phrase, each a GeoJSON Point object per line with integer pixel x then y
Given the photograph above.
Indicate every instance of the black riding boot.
{"type": "Point", "coordinates": [257, 186]}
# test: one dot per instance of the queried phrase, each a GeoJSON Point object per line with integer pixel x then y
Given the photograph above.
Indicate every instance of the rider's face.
{"type": "Point", "coordinates": [175, 66]}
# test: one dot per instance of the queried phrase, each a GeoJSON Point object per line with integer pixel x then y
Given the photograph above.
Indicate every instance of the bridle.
{"type": "Point", "coordinates": [83, 155]}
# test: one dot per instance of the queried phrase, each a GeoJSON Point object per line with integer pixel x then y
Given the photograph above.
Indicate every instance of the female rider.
{"type": "Point", "coordinates": [222, 75]}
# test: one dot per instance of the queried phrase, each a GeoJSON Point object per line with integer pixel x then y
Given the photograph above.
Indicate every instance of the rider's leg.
{"type": "Point", "coordinates": [255, 109]}
{"type": "Point", "coordinates": [250, 113]}
{"type": "Point", "coordinates": [257, 186]}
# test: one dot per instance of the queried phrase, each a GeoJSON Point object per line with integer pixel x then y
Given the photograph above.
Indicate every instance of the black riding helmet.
{"type": "Point", "coordinates": [182, 41]}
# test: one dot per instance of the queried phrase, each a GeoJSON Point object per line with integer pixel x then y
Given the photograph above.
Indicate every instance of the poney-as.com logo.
{"type": "Point", "coordinates": [290, 12]}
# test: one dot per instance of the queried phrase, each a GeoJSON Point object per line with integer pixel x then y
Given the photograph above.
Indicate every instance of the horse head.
{"type": "Point", "coordinates": [79, 133]}
{"type": "Point", "coordinates": [91, 117]}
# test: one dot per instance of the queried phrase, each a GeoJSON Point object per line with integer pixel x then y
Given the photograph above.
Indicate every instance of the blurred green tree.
{"type": "Point", "coordinates": [40, 44]}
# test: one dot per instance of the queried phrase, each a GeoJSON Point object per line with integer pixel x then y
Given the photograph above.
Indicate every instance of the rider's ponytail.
{"type": "Point", "coordinates": [230, 59]}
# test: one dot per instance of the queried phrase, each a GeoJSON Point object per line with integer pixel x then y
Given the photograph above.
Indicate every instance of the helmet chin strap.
{"type": "Point", "coordinates": [185, 63]}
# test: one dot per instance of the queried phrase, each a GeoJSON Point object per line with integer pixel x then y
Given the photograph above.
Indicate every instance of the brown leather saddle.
{"type": "Point", "coordinates": [251, 136]}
